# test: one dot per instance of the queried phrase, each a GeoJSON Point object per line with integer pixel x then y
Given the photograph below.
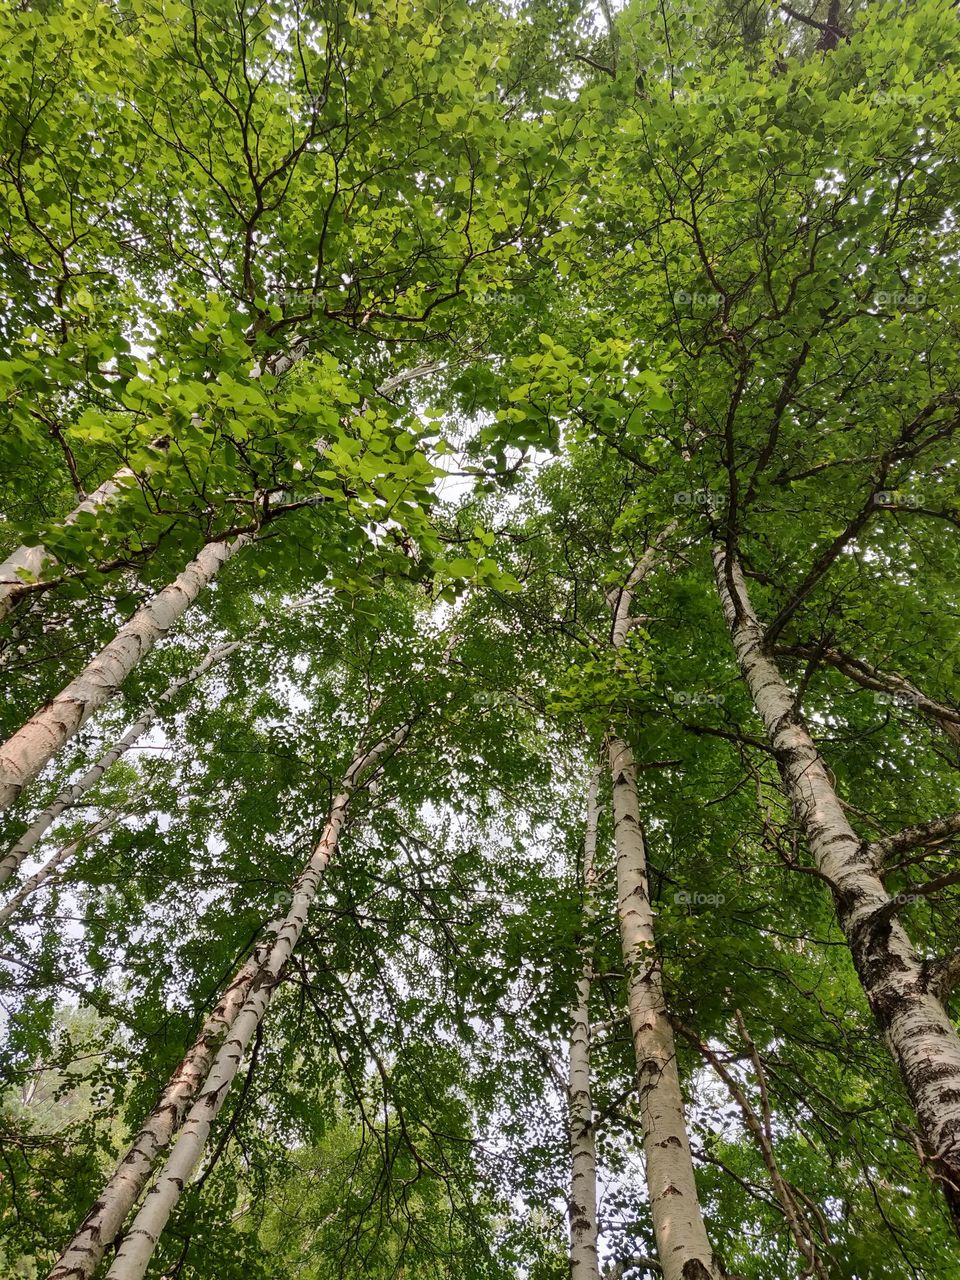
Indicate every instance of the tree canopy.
{"type": "Point", "coordinates": [480, 537]}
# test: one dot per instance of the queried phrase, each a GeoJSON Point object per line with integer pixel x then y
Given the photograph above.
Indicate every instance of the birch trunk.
{"type": "Point", "coordinates": [915, 1025]}
{"type": "Point", "coordinates": [138, 1245]}
{"type": "Point", "coordinates": [70, 795]}
{"type": "Point", "coordinates": [33, 560]}
{"type": "Point", "coordinates": [682, 1245]}
{"type": "Point", "coordinates": [31, 747]}
{"type": "Point", "coordinates": [98, 1230]}
{"type": "Point", "coordinates": [584, 1263]}
{"type": "Point", "coordinates": [24, 755]}
{"type": "Point", "coordinates": [41, 876]}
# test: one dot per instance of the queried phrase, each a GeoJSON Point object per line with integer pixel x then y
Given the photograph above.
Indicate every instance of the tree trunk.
{"type": "Point", "coordinates": [24, 755]}
{"type": "Point", "coordinates": [41, 876]}
{"type": "Point", "coordinates": [682, 1244]}
{"type": "Point", "coordinates": [141, 1239]}
{"type": "Point", "coordinates": [584, 1264]}
{"type": "Point", "coordinates": [31, 747]}
{"type": "Point", "coordinates": [33, 560]}
{"type": "Point", "coordinates": [100, 1227]}
{"type": "Point", "coordinates": [69, 796]}
{"type": "Point", "coordinates": [915, 1025]}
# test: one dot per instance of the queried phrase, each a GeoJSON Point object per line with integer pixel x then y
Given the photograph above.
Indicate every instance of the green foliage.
{"type": "Point", "coordinates": [457, 309]}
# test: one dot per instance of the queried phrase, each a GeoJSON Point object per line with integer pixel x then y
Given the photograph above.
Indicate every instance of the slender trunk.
{"type": "Point", "coordinates": [52, 864]}
{"type": "Point", "coordinates": [98, 1230]}
{"type": "Point", "coordinates": [682, 1244]}
{"type": "Point", "coordinates": [31, 561]}
{"type": "Point", "coordinates": [31, 747]}
{"type": "Point", "coordinates": [70, 795]}
{"type": "Point", "coordinates": [141, 1239]}
{"type": "Point", "coordinates": [915, 1025]}
{"type": "Point", "coordinates": [584, 1264]}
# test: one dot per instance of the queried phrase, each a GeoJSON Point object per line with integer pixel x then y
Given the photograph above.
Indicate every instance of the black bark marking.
{"type": "Point", "coordinates": [694, 1269]}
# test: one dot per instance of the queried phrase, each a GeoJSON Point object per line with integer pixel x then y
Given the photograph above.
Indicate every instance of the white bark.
{"type": "Point", "coordinates": [917, 1028]}
{"type": "Point", "coordinates": [43, 874]}
{"type": "Point", "coordinates": [141, 1239]}
{"type": "Point", "coordinates": [70, 795]}
{"type": "Point", "coordinates": [622, 600]}
{"type": "Point", "coordinates": [100, 1227]}
{"type": "Point", "coordinates": [33, 560]}
{"type": "Point", "coordinates": [682, 1244]}
{"type": "Point", "coordinates": [31, 747]}
{"type": "Point", "coordinates": [24, 755]}
{"type": "Point", "coordinates": [584, 1263]}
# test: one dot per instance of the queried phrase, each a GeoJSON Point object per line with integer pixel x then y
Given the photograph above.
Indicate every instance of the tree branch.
{"type": "Point", "coordinates": [924, 834]}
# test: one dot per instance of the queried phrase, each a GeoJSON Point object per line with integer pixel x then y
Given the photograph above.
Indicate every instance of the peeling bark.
{"type": "Point", "coordinates": [134, 1255]}
{"type": "Point", "coordinates": [917, 1029]}
{"type": "Point", "coordinates": [584, 1264]}
{"type": "Point", "coordinates": [37, 742]}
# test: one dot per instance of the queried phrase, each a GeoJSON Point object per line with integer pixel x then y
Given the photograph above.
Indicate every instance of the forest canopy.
{"type": "Point", "coordinates": [480, 539]}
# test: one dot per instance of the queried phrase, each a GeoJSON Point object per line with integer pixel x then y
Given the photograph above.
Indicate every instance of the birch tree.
{"type": "Point", "coordinates": [683, 1248]}
{"type": "Point", "coordinates": [898, 983]}
{"type": "Point", "coordinates": [447, 312]}
{"type": "Point", "coordinates": [70, 796]}
{"type": "Point", "coordinates": [584, 1258]}
{"type": "Point", "coordinates": [239, 1014]}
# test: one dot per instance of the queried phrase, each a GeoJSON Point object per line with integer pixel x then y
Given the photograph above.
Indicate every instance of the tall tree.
{"type": "Point", "coordinates": [584, 1257]}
